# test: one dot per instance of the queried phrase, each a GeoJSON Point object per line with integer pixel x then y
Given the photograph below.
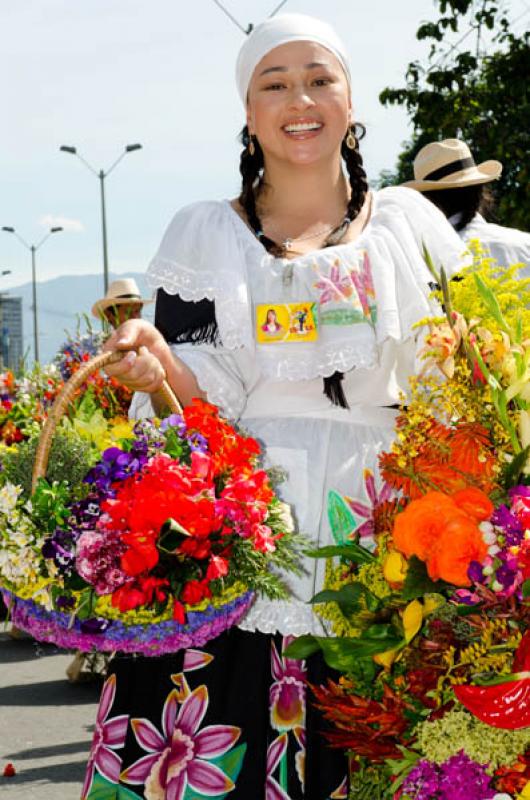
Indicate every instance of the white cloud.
{"type": "Point", "coordinates": [51, 221]}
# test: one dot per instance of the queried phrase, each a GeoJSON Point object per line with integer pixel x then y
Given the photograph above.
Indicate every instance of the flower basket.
{"type": "Point", "coordinates": [162, 546]}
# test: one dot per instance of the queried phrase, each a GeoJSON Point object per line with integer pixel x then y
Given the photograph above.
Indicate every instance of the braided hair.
{"type": "Point", "coordinates": [251, 169]}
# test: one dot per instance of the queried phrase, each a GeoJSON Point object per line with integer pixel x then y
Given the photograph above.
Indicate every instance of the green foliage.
{"type": "Point", "coordinates": [480, 97]}
{"type": "Point", "coordinates": [418, 583]}
{"type": "Point", "coordinates": [70, 459]}
{"type": "Point", "coordinates": [344, 654]}
{"type": "Point", "coordinates": [352, 552]}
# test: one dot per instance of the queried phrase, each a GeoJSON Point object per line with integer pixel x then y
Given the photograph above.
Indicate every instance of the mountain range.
{"type": "Point", "coordinates": [61, 304]}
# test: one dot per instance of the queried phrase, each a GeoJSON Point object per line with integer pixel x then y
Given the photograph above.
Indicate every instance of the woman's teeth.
{"type": "Point", "coordinates": [302, 127]}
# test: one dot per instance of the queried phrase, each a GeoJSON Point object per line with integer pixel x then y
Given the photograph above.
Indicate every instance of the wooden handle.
{"type": "Point", "coordinates": [65, 397]}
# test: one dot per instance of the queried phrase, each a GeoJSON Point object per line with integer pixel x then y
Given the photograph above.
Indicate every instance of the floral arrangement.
{"type": "Point", "coordinates": [158, 542]}
{"type": "Point", "coordinates": [112, 397]}
{"type": "Point", "coordinates": [428, 598]}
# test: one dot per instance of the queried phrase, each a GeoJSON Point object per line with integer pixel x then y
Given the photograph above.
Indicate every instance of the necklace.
{"type": "Point", "coordinates": [334, 233]}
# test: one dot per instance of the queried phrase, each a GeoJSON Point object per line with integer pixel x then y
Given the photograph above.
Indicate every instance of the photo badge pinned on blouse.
{"type": "Point", "coordinates": [286, 322]}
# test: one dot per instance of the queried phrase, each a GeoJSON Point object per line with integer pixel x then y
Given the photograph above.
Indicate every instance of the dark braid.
{"type": "Point", "coordinates": [251, 166]}
{"type": "Point", "coordinates": [357, 175]}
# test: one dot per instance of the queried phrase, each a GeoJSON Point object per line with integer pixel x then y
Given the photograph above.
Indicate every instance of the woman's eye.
{"type": "Point", "coordinates": [273, 87]}
{"type": "Point", "coordinates": [322, 82]}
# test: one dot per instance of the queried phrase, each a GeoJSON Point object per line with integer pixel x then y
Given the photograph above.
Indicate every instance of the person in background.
{"type": "Point", "coordinates": [445, 172]}
{"type": "Point", "coordinates": [122, 301]}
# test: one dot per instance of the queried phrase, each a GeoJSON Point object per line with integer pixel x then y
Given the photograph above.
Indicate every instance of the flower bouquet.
{"type": "Point", "coordinates": [154, 543]}
{"type": "Point", "coordinates": [428, 599]}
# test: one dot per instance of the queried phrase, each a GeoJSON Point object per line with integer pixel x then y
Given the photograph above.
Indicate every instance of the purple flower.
{"type": "Point", "coordinates": [198, 443]}
{"type": "Point", "coordinates": [503, 518]}
{"type": "Point", "coordinates": [458, 778]}
{"type": "Point", "coordinates": [174, 421]}
{"type": "Point", "coordinates": [94, 625]}
{"type": "Point", "coordinates": [475, 573]}
{"type": "Point", "coordinates": [60, 547]}
{"type": "Point", "coordinates": [505, 575]}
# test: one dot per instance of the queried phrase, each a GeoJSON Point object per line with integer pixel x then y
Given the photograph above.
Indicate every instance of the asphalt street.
{"type": "Point", "coordinates": [46, 723]}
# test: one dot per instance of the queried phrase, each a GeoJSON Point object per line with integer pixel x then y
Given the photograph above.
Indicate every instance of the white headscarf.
{"type": "Point", "coordinates": [280, 30]}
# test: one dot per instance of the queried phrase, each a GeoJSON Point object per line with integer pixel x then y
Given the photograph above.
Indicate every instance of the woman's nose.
{"type": "Point", "coordinates": [300, 97]}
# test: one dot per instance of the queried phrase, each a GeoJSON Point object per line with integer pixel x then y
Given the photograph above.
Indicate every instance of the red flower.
{"type": "Point", "coordinates": [142, 554]}
{"type": "Point", "coordinates": [194, 592]}
{"type": "Point", "coordinates": [9, 770]}
{"type": "Point", "coordinates": [179, 613]}
{"type": "Point", "coordinates": [217, 568]}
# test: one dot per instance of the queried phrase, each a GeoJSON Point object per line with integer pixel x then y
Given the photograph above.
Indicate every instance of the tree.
{"type": "Point", "coordinates": [478, 96]}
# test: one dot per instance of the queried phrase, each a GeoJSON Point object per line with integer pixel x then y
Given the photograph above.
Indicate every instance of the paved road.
{"type": "Point", "coordinates": [46, 723]}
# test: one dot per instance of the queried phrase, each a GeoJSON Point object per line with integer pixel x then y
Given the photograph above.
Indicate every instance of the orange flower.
{"type": "Point", "coordinates": [461, 543]}
{"type": "Point", "coordinates": [418, 527]}
{"type": "Point", "coordinates": [475, 503]}
{"type": "Point", "coordinates": [437, 530]}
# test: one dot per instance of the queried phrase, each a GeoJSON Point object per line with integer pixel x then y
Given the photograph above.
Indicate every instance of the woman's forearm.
{"type": "Point", "coordinates": [181, 379]}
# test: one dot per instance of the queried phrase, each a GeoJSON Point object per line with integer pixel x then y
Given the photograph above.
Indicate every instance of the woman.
{"type": "Point", "coordinates": [305, 232]}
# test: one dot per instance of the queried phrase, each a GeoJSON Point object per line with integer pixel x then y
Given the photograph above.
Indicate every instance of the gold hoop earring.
{"type": "Point", "coordinates": [351, 141]}
{"type": "Point", "coordinates": [251, 146]}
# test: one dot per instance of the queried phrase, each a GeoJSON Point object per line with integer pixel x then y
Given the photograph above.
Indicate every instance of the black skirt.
{"type": "Point", "coordinates": [233, 719]}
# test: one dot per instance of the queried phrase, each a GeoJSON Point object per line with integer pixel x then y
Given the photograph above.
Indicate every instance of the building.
{"type": "Point", "coordinates": [11, 333]}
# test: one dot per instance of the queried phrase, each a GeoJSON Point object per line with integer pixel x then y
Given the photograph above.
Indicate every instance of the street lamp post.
{"type": "Point", "coordinates": [33, 250]}
{"type": "Point", "coordinates": [101, 175]}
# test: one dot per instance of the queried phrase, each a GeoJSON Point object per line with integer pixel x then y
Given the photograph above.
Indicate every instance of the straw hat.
{"type": "Point", "coordinates": [450, 165]}
{"type": "Point", "coordinates": [120, 292]}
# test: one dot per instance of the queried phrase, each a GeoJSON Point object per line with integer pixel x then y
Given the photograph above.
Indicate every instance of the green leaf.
{"type": "Point", "coordinates": [526, 588]}
{"type": "Point", "coordinates": [302, 647]}
{"type": "Point", "coordinates": [418, 582]}
{"type": "Point", "coordinates": [341, 518]}
{"type": "Point", "coordinates": [350, 552]}
{"type": "Point", "coordinates": [348, 598]}
{"type": "Point", "coordinates": [512, 470]}
{"type": "Point", "coordinates": [103, 789]}
{"type": "Point", "coordinates": [343, 654]}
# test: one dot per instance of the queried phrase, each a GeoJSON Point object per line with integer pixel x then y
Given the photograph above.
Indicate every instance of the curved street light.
{"type": "Point", "coordinates": [101, 175]}
{"type": "Point", "coordinates": [33, 249]}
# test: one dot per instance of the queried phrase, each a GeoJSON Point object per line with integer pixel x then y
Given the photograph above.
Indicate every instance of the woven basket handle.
{"type": "Point", "coordinates": [65, 397]}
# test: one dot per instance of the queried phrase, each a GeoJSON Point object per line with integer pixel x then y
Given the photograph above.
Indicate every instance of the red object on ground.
{"type": "Point", "coordinates": [9, 770]}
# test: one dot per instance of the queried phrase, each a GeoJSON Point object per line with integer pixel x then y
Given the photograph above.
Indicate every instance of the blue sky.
{"type": "Point", "coordinates": [99, 74]}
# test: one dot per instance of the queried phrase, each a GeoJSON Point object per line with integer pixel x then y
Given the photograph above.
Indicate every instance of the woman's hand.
{"type": "Point", "coordinates": [144, 367]}
{"type": "Point", "coordinates": [149, 361]}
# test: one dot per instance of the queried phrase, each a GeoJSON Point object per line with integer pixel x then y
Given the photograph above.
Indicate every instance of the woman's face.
{"type": "Point", "coordinates": [299, 104]}
{"type": "Point", "coordinates": [271, 316]}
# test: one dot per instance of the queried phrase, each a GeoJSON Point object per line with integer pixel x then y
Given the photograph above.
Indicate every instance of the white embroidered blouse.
{"type": "Point", "coordinates": [365, 296]}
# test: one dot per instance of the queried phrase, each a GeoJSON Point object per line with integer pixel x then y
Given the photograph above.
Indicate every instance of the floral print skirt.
{"type": "Point", "coordinates": [233, 719]}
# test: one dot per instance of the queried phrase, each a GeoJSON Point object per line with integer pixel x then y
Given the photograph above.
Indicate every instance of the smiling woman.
{"type": "Point", "coordinates": [291, 307]}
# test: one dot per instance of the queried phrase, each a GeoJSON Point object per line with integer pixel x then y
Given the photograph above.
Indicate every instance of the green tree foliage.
{"type": "Point", "coordinates": [474, 94]}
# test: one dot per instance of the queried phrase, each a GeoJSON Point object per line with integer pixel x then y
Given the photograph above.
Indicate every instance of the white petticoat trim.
{"type": "Point", "coordinates": [288, 617]}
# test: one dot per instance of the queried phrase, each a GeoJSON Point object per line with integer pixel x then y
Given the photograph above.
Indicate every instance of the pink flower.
{"type": "Point", "coordinates": [336, 287]}
{"type": "Point", "coordinates": [275, 753]}
{"type": "Point", "coordinates": [264, 539]}
{"type": "Point", "coordinates": [109, 735]}
{"type": "Point", "coordinates": [366, 511]}
{"type": "Point", "coordinates": [287, 693]}
{"type": "Point", "coordinates": [178, 756]}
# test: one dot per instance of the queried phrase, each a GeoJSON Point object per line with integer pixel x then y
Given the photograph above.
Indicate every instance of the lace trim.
{"type": "Point", "coordinates": [320, 363]}
{"type": "Point", "coordinates": [232, 307]}
{"type": "Point", "coordinates": [288, 617]}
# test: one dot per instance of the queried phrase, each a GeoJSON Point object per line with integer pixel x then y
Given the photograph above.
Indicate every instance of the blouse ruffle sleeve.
{"type": "Point", "coordinates": [198, 260]}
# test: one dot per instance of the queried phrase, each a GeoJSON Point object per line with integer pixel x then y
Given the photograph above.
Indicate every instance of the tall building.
{"type": "Point", "coordinates": [11, 333]}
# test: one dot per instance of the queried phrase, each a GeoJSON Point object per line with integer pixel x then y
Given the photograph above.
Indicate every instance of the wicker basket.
{"type": "Point", "coordinates": [36, 616]}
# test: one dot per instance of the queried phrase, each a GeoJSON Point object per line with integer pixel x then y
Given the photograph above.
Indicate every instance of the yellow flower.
{"type": "Point", "coordinates": [412, 619]}
{"type": "Point", "coordinates": [525, 794]}
{"type": "Point", "coordinates": [395, 567]}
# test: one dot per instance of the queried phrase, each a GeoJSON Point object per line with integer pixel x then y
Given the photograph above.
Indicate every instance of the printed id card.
{"type": "Point", "coordinates": [286, 322]}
